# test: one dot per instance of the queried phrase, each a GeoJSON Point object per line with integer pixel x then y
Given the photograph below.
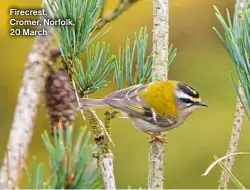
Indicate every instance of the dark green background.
{"type": "Point", "coordinates": [201, 62]}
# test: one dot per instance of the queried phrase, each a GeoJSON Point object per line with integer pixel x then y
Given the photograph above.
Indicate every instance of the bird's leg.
{"type": "Point", "coordinates": [154, 137]}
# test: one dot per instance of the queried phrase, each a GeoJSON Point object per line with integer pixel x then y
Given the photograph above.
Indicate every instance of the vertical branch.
{"type": "Point", "coordinates": [106, 165]}
{"type": "Point", "coordinates": [156, 165]}
{"type": "Point", "coordinates": [234, 140]}
{"type": "Point", "coordinates": [104, 155]}
{"type": "Point", "coordinates": [159, 72]}
{"type": "Point", "coordinates": [237, 125]}
{"type": "Point", "coordinates": [160, 40]}
{"type": "Point", "coordinates": [33, 82]}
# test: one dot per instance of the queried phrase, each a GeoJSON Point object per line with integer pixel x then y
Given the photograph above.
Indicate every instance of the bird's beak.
{"type": "Point", "coordinates": [203, 104]}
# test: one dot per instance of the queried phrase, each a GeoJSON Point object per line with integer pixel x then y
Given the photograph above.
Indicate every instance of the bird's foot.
{"type": "Point", "coordinates": [157, 137]}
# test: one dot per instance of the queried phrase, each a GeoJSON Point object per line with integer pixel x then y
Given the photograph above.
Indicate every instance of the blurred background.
{"type": "Point", "coordinates": [201, 62]}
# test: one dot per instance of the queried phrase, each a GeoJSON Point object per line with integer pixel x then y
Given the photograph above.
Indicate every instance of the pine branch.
{"type": "Point", "coordinates": [33, 82]}
{"type": "Point", "coordinates": [106, 160]}
{"type": "Point", "coordinates": [160, 40]}
{"type": "Point", "coordinates": [233, 142]}
{"type": "Point", "coordinates": [103, 155]}
{"type": "Point", "coordinates": [159, 72]}
{"type": "Point", "coordinates": [133, 61]}
{"type": "Point", "coordinates": [121, 7]}
{"type": "Point", "coordinates": [72, 42]}
{"type": "Point", "coordinates": [135, 57]}
{"type": "Point", "coordinates": [236, 34]}
{"type": "Point", "coordinates": [71, 163]}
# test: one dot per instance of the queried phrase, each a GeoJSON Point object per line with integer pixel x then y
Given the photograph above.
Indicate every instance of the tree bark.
{"type": "Point", "coordinates": [233, 142]}
{"type": "Point", "coordinates": [159, 73]}
{"type": "Point", "coordinates": [33, 82]}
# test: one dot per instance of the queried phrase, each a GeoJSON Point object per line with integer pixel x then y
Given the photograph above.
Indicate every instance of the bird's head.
{"type": "Point", "coordinates": [187, 99]}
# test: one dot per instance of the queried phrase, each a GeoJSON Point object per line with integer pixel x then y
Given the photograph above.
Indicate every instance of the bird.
{"type": "Point", "coordinates": [154, 107]}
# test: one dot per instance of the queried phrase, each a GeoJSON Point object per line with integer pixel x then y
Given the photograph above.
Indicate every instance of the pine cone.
{"type": "Point", "coordinates": [60, 99]}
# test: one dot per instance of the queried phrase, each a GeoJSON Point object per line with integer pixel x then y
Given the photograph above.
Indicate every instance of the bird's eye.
{"type": "Point", "coordinates": [187, 101]}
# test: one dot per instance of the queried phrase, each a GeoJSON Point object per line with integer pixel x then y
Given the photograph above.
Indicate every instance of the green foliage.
{"type": "Point", "coordinates": [36, 177]}
{"type": "Point", "coordinates": [172, 54]}
{"type": "Point", "coordinates": [99, 66]}
{"type": "Point", "coordinates": [73, 40]}
{"type": "Point", "coordinates": [71, 167]}
{"type": "Point", "coordinates": [126, 59]}
{"type": "Point", "coordinates": [237, 43]}
{"type": "Point", "coordinates": [137, 69]}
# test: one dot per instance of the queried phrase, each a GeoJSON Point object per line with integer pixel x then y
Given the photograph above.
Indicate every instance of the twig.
{"type": "Point", "coordinates": [217, 161]}
{"type": "Point", "coordinates": [94, 115]}
{"type": "Point", "coordinates": [28, 99]}
{"type": "Point", "coordinates": [77, 98]}
{"type": "Point", "coordinates": [120, 8]}
{"type": "Point", "coordinates": [159, 72]}
{"type": "Point", "coordinates": [237, 124]}
{"type": "Point", "coordinates": [102, 126]}
{"type": "Point", "coordinates": [233, 142]}
{"type": "Point", "coordinates": [231, 175]}
{"type": "Point", "coordinates": [225, 169]}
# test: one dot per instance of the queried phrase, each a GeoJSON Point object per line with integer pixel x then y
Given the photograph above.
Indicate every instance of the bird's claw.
{"type": "Point", "coordinates": [157, 138]}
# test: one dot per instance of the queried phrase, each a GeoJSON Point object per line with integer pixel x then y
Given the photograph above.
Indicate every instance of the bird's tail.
{"type": "Point", "coordinates": [93, 103]}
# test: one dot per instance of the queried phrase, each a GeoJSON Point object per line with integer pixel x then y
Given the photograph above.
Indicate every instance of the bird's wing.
{"type": "Point", "coordinates": [127, 100]}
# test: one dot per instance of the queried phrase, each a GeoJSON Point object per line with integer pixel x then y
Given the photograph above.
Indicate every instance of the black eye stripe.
{"type": "Point", "coordinates": [186, 100]}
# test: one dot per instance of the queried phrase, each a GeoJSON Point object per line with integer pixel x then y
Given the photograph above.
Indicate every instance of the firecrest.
{"type": "Point", "coordinates": [154, 107]}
